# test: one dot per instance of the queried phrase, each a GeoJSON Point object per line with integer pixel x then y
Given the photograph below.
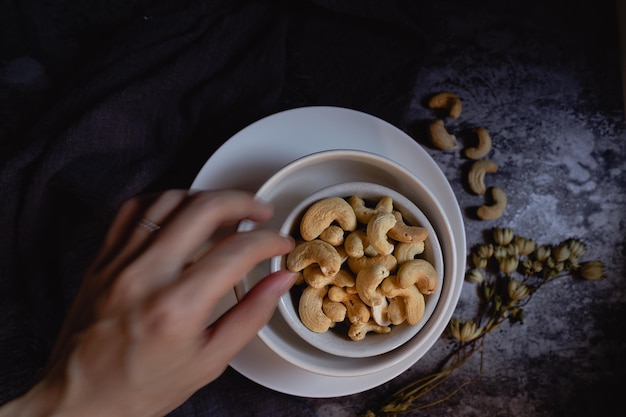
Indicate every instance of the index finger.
{"type": "Point", "coordinates": [207, 280]}
{"type": "Point", "coordinates": [190, 226]}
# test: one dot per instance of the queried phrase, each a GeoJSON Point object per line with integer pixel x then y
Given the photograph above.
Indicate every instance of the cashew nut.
{"type": "Point", "coordinates": [448, 101]}
{"type": "Point", "coordinates": [323, 213]}
{"type": "Point", "coordinates": [476, 178]}
{"type": "Point", "coordinates": [367, 282]}
{"type": "Point", "coordinates": [357, 244]}
{"type": "Point", "coordinates": [314, 251]}
{"type": "Point", "coordinates": [406, 251]}
{"type": "Point", "coordinates": [380, 313]}
{"type": "Point", "coordinates": [314, 277]}
{"type": "Point", "coordinates": [334, 310]}
{"type": "Point", "coordinates": [440, 136]}
{"type": "Point", "coordinates": [495, 210]}
{"type": "Point", "coordinates": [359, 330]}
{"type": "Point", "coordinates": [310, 309]}
{"type": "Point", "coordinates": [364, 213]}
{"type": "Point", "coordinates": [396, 312]}
{"type": "Point", "coordinates": [356, 264]}
{"type": "Point", "coordinates": [357, 310]}
{"type": "Point", "coordinates": [377, 229]}
{"type": "Point", "coordinates": [418, 272]}
{"type": "Point", "coordinates": [483, 147]}
{"type": "Point", "coordinates": [333, 234]}
{"type": "Point", "coordinates": [402, 232]}
{"type": "Point", "coordinates": [414, 303]}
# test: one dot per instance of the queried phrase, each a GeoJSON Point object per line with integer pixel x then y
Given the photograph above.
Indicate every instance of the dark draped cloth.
{"type": "Point", "coordinates": [101, 100]}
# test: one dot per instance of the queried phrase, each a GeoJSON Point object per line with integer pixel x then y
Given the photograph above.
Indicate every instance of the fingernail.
{"type": "Point", "coordinates": [288, 237]}
{"type": "Point", "coordinates": [287, 281]}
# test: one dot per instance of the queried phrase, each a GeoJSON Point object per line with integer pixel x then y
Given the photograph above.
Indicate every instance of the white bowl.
{"type": "Point", "coordinates": [336, 340]}
{"type": "Point", "coordinates": [298, 180]}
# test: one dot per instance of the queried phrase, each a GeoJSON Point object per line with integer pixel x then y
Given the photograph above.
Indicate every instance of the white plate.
{"type": "Point", "coordinates": [251, 156]}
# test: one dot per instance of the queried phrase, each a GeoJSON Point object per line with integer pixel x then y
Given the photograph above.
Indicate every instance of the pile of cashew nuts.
{"type": "Point", "coordinates": [359, 265]}
{"type": "Point", "coordinates": [449, 105]}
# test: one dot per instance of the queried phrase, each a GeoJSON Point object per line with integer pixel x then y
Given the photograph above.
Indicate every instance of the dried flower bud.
{"type": "Point", "coordinates": [542, 253]}
{"type": "Point", "coordinates": [525, 246]}
{"type": "Point", "coordinates": [503, 236]}
{"type": "Point", "coordinates": [474, 276]}
{"type": "Point", "coordinates": [561, 253]}
{"type": "Point", "coordinates": [500, 252]}
{"type": "Point", "coordinates": [509, 264]}
{"type": "Point", "coordinates": [572, 264]}
{"type": "Point", "coordinates": [469, 331]}
{"type": "Point", "coordinates": [531, 267]}
{"type": "Point", "coordinates": [592, 270]}
{"type": "Point", "coordinates": [455, 328]}
{"type": "Point", "coordinates": [527, 265]}
{"type": "Point", "coordinates": [466, 332]}
{"type": "Point", "coordinates": [576, 247]}
{"type": "Point", "coordinates": [479, 262]}
{"type": "Point", "coordinates": [517, 290]}
{"type": "Point", "coordinates": [484, 250]}
{"type": "Point", "coordinates": [559, 266]}
{"type": "Point", "coordinates": [511, 249]}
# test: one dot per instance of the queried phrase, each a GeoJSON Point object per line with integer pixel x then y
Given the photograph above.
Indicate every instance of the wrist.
{"type": "Point", "coordinates": [37, 402]}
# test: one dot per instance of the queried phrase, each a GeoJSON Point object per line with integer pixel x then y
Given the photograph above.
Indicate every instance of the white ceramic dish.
{"type": "Point", "coordinates": [269, 144]}
{"type": "Point", "coordinates": [294, 184]}
{"type": "Point", "coordinates": [336, 341]}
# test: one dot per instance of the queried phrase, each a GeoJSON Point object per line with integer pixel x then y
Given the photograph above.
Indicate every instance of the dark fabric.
{"type": "Point", "coordinates": [101, 100]}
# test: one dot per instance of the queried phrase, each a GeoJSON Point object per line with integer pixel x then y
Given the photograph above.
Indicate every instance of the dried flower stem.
{"type": "Point", "coordinates": [510, 270]}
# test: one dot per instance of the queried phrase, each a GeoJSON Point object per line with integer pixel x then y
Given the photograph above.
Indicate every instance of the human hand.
{"type": "Point", "coordinates": [136, 341]}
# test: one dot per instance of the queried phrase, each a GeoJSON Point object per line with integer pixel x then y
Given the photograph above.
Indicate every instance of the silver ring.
{"type": "Point", "coordinates": [149, 225]}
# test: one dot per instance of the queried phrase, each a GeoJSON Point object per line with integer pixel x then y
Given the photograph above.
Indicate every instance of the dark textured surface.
{"type": "Point", "coordinates": [543, 78]}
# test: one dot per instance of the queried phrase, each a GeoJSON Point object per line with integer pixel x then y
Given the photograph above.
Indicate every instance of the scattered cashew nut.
{"type": "Point", "coordinates": [476, 178]}
{"type": "Point", "coordinates": [440, 136]}
{"type": "Point", "coordinates": [483, 147]}
{"type": "Point", "coordinates": [323, 213]}
{"type": "Point", "coordinates": [494, 211]}
{"type": "Point", "coordinates": [448, 101]}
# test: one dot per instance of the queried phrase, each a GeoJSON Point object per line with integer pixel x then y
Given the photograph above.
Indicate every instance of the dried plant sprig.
{"type": "Point", "coordinates": [509, 269]}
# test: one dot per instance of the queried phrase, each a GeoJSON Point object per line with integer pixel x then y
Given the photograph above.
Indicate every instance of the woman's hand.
{"type": "Point", "coordinates": [136, 341]}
